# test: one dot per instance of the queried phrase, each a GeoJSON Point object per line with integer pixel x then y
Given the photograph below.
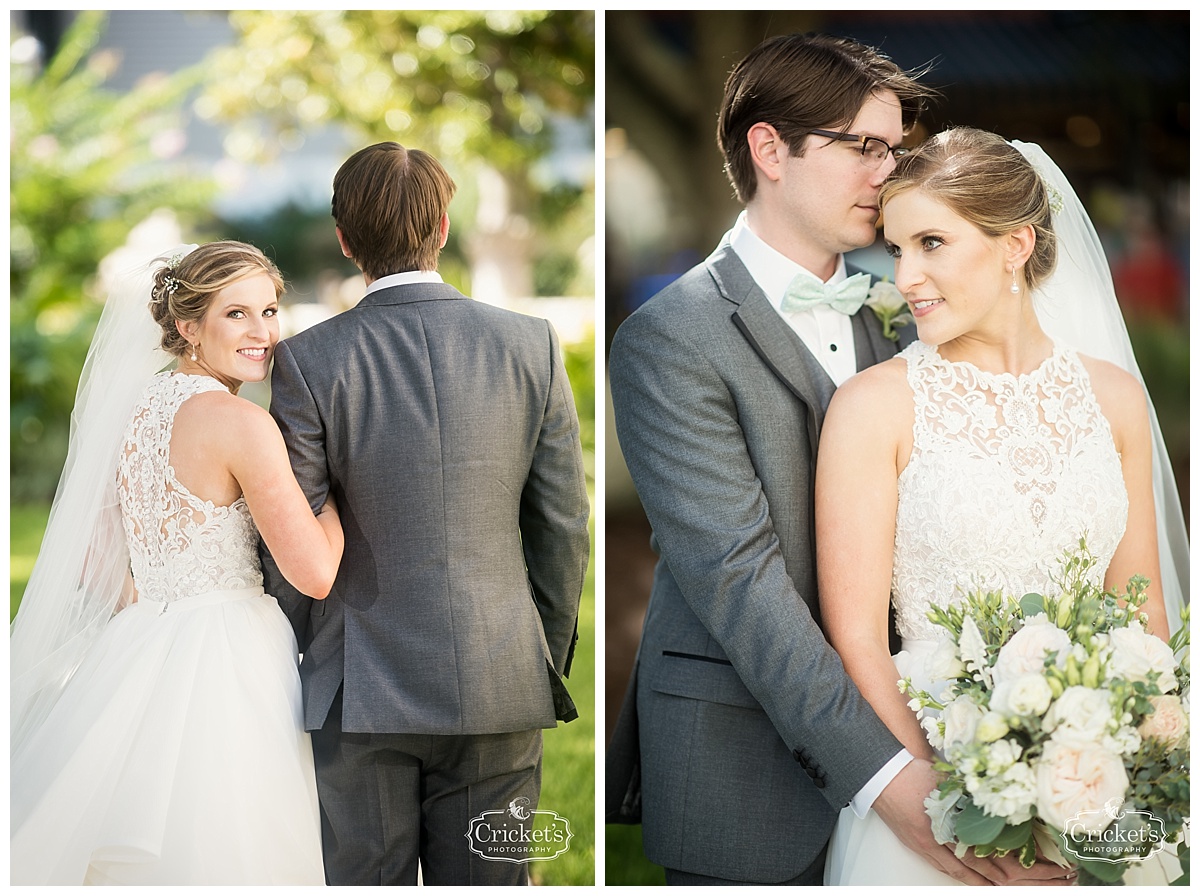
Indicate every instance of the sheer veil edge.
{"type": "Point", "coordinates": [82, 571]}
{"type": "Point", "coordinates": [1078, 307]}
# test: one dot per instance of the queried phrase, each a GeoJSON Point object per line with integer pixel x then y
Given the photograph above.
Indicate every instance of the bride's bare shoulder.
{"type": "Point", "coordinates": [221, 417]}
{"type": "Point", "coordinates": [1121, 397]}
{"type": "Point", "coordinates": [875, 401]}
{"type": "Point", "coordinates": [881, 385]}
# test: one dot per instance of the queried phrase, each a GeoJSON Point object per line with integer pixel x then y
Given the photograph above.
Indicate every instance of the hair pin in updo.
{"type": "Point", "coordinates": [1053, 195]}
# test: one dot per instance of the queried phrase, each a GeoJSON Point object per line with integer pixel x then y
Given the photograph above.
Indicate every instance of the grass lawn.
{"type": "Point", "coordinates": [568, 769]}
{"type": "Point", "coordinates": [568, 781]}
{"type": "Point", "coordinates": [569, 764]}
{"type": "Point", "coordinates": [624, 862]}
{"type": "Point", "coordinates": [26, 524]}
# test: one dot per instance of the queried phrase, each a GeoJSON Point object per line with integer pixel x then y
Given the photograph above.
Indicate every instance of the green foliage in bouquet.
{"type": "Point", "coordinates": [1063, 726]}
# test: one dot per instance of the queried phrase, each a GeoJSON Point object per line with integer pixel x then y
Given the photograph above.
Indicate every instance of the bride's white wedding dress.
{"type": "Point", "coordinates": [176, 754]}
{"type": "Point", "coordinates": [1006, 473]}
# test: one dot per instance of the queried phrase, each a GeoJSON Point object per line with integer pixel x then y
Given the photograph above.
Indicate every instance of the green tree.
{"type": "Point", "coordinates": [86, 166]}
{"type": "Point", "coordinates": [482, 90]}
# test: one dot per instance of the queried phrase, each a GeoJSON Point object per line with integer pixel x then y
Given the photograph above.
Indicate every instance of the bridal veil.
{"type": "Point", "coordinates": [82, 571]}
{"type": "Point", "coordinates": [1078, 306]}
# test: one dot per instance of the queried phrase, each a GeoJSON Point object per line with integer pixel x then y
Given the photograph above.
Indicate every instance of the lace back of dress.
{"type": "Point", "coordinates": [179, 544]}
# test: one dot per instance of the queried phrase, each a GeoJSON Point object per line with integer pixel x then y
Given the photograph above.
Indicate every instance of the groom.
{"type": "Point", "coordinates": [446, 433]}
{"type": "Point", "coordinates": [742, 736]}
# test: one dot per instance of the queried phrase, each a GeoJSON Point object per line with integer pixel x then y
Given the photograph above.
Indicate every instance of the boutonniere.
{"type": "Point", "coordinates": [889, 306]}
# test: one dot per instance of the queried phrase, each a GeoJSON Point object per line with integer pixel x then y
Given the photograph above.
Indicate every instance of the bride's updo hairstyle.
{"type": "Point", "coordinates": [184, 288]}
{"type": "Point", "coordinates": [985, 181]}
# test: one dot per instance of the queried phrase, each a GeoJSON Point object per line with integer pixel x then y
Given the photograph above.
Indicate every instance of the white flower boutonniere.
{"type": "Point", "coordinates": [889, 306]}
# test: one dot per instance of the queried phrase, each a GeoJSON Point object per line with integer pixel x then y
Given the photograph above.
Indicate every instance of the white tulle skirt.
{"type": "Point", "coordinates": [177, 755]}
{"type": "Point", "coordinates": [865, 852]}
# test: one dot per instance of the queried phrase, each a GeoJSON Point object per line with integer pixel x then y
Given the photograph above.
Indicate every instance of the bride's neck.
{"type": "Point", "coordinates": [1018, 346]}
{"type": "Point", "coordinates": [199, 368]}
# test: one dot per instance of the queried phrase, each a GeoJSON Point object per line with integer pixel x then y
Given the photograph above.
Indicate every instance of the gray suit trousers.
{"type": "Point", "coordinates": [414, 797]}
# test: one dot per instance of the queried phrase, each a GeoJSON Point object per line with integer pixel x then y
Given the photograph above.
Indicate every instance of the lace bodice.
{"type": "Point", "coordinates": [179, 545]}
{"type": "Point", "coordinates": [1006, 473]}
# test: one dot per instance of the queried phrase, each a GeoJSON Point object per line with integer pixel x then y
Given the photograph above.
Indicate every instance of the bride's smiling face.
{"type": "Point", "coordinates": [951, 273]}
{"type": "Point", "coordinates": [238, 333]}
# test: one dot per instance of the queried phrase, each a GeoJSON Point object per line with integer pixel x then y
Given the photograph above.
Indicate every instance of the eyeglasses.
{"type": "Point", "coordinates": [874, 150]}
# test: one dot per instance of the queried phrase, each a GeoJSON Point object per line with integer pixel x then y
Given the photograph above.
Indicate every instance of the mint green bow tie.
{"type": "Point", "coordinates": [806, 291]}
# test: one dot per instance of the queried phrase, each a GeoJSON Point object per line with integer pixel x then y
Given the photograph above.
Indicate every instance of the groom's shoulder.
{"type": "Point", "coordinates": [686, 294]}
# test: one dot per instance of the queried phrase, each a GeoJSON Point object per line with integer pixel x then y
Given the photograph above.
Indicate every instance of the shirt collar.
{"type": "Point", "coordinates": [403, 279]}
{"type": "Point", "coordinates": [771, 270]}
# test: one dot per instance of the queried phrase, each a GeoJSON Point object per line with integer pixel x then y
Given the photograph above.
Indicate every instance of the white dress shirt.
{"type": "Point", "coordinates": [829, 336]}
{"type": "Point", "coordinates": [825, 332]}
{"type": "Point", "coordinates": [402, 279]}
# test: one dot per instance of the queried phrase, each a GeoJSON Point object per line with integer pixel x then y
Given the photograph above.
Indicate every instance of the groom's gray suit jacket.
{"type": "Point", "coordinates": [741, 735]}
{"type": "Point", "coordinates": [446, 431]}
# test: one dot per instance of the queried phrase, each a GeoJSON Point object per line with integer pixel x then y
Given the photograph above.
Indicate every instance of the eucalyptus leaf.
{"type": "Point", "coordinates": [976, 828]}
{"type": "Point", "coordinates": [1032, 604]}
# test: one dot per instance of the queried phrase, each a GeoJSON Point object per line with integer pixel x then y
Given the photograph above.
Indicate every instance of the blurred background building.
{"type": "Point", "coordinates": [1105, 93]}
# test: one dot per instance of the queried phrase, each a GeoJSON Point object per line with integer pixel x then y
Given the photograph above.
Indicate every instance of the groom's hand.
{"type": "Point", "coordinates": [902, 807]}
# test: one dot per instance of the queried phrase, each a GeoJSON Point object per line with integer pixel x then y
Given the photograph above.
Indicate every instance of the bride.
{"type": "Point", "coordinates": [156, 730]}
{"type": "Point", "coordinates": [986, 449]}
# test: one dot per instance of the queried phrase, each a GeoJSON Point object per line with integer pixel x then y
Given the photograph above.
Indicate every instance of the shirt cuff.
{"type": "Point", "coordinates": [865, 798]}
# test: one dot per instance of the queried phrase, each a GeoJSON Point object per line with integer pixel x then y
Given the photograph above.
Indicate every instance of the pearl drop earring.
{"type": "Point", "coordinates": [1014, 289]}
{"type": "Point", "coordinates": [194, 347]}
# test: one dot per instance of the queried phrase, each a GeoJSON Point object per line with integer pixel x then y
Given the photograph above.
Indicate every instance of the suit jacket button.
{"type": "Point", "coordinates": [819, 782]}
{"type": "Point", "coordinates": [812, 773]}
{"type": "Point", "coordinates": [797, 755]}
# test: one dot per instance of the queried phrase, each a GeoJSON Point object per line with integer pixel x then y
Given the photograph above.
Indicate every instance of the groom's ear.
{"type": "Point", "coordinates": [767, 150]}
{"type": "Point", "coordinates": [443, 230]}
{"type": "Point", "coordinates": [342, 242]}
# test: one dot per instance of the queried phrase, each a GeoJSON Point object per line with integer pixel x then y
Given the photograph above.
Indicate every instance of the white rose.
{"type": "Point", "coordinates": [1076, 778]}
{"type": "Point", "coordinates": [1135, 654]}
{"type": "Point", "coordinates": [960, 718]}
{"type": "Point", "coordinates": [1080, 714]}
{"type": "Point", "coordinates": [1168, 723]}
{"type": "Point", "coordinates": [1026, 695]}
{"type": "Point", "coordinates": [991, 727]}
{"type": "Point", "coordinates": [944, 663]}
{"type": "Point", "coordinates": [1025, 652]}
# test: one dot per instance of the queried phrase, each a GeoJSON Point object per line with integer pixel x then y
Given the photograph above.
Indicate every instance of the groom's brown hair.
{"type": "Point", "coordinates": [797, 82]}
{"type": "Point", "coordinates": [388, 202]}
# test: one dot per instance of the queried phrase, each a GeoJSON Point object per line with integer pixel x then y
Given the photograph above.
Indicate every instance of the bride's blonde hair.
{"type": "Point", "coordinates": [986, 181]}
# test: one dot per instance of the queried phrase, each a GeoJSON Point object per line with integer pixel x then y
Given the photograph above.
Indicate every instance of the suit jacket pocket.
{"type": "Point", "coordinates": [701, 678]}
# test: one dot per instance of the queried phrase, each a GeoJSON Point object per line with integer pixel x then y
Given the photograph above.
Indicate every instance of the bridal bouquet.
{"type": "Point", "coordinates": [1064, 726]}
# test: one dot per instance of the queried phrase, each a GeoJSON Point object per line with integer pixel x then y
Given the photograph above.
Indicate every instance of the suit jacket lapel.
{"type": "Point", "coordinates": [783, 351]}
{"type": "Point", "coordinates": [771, 338]}
{"type": "Point", "coordinates": [870, 345]}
